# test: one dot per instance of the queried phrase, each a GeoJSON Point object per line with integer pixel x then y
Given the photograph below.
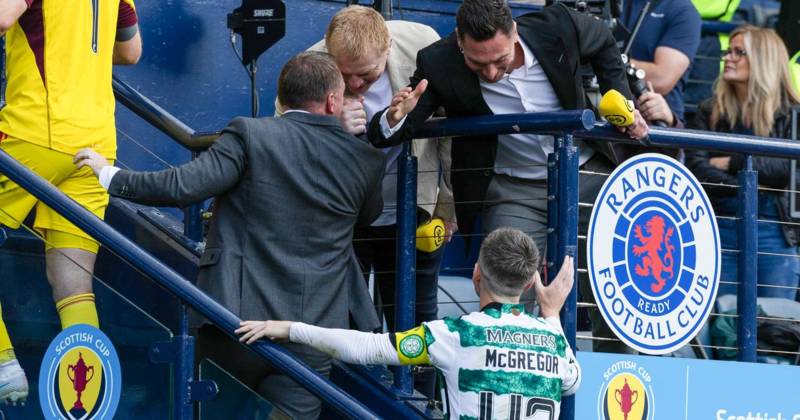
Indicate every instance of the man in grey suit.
{"type": "Point", "coordinates": [290, 191]}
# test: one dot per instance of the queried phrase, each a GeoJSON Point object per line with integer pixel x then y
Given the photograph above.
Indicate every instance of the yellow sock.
{"type": "Point", "coordinates": [77, 309]}
{"type": "Point", "coordinates": [6, 349]}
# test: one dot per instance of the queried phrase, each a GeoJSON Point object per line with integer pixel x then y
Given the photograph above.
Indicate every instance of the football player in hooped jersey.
{"type": "Point", "coordinates": [499, 362]}
{"type": "Point", "coordinates": [59, 100]}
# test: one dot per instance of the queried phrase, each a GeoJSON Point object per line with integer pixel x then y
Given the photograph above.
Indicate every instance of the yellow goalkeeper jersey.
{"type": "Point", "coordinates": [58, 66]}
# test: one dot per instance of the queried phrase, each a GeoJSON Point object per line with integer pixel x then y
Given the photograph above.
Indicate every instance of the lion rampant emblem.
{"type": "Point", "coordinates": [652, 263]}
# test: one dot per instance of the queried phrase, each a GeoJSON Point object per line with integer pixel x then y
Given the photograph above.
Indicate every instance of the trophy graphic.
{"type": "Point", "coordinates": [626, 399]}
{"type": "Point", "coordinates": [79, 380]}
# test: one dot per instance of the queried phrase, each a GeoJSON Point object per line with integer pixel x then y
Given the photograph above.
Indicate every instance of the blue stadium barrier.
{"type": "Point", "coordinates": [176, 130]}
{"type": "Point", "coordinates": [562, 184]}
{"type": "Point", "coordinates": [716, 27]}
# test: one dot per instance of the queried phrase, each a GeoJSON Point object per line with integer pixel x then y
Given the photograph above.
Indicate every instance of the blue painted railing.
{"type": "Point", "coordinates": [176, 130]}
{"type": "Point", "coordinates": [563, 200]}
{"type": "Point", "coordinates": [161, 119]}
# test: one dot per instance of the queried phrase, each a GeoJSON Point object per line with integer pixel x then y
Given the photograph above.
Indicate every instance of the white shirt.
{"type": "Point", "coordinates": [377, 97]}
{"type": "Point", "coordinates": [106, 174]}
{"type": "Point", "coordinates": [525, 89]}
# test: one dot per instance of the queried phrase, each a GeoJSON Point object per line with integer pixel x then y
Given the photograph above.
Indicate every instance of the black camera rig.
{"type": "Point", "coordinates": [609, 11]}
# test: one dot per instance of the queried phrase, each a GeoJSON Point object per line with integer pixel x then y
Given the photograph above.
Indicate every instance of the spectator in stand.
{"type": "Point", "coordinates": [664, 48]}
{"type": "Point", "coordinates": [753, 96]}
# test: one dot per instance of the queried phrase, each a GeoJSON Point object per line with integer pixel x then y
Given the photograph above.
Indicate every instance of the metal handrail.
{"type": "Point", "coordinates": [508, 124]}
{"type": "Point", "coordinates": [176, 130]}
{"type": "Point", "coordinates": [161, 119]}
{"type": "Point", "coordinates": [184, 135]}
{"type": "Point", "coordinates": [696, 139]}
{"type": "Point", "coordinates": [180, 287]}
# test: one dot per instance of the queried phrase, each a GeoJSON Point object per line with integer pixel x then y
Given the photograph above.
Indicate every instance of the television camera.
{"type": "Point", "coordinates": [609, 11]}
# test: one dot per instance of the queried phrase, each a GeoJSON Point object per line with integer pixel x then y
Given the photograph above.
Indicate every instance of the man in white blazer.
{"type": "Point", "coordinates": [376, 59]}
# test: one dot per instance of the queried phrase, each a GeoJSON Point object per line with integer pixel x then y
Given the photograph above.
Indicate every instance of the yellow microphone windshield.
{"type": "Point", "coordinates": [616, 108]}
{"type": "Point", "coordinates": [430, 236]}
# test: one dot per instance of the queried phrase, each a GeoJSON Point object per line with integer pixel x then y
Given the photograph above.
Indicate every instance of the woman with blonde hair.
{"type": "Point", "coordinates": [752, 96]}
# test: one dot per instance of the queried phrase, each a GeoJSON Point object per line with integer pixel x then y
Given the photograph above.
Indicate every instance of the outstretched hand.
{"type": "Point", "coordinates": [92, 159]}
{"type": "Point", "coordinates": [252, 331]}
{"type": "Point", "coordinates": [552, 297]}
{"type": "Point", "coordinates": [404, 101]}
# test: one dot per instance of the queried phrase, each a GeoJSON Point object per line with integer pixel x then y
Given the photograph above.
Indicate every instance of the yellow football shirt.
{"type": "Point", "coordinates": [58, 64]}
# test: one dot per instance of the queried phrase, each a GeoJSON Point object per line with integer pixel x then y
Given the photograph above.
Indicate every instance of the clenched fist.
{"type": "Point", "coordinates": [354, 117]}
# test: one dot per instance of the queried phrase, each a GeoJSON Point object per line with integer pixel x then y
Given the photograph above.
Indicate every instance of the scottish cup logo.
{"type": "Point", "coordinates": [627, 393]}
{"type": "Point", "coordinates": [80, 376]}
{"type": "Point", "coordinates": [654, 254]}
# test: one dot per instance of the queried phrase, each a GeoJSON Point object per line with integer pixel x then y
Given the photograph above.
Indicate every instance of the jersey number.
{"type": "Point", "coordinates": [535, 408]}
{"type": "Point", "coordinates": [95, 17]}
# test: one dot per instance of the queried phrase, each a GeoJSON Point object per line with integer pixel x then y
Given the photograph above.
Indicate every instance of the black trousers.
{"type": "Point", "coordinates": [376, 250]}
{"type": "Point", "coordinates": [252, 370]}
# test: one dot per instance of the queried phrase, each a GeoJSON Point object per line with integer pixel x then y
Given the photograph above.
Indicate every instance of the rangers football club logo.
{"type": "Point", "coordinates": [653, 254]}
{"type": "Point", "coordinates": [80, 376]}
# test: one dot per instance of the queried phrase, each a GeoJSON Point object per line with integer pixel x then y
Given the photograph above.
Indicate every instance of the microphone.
{"type": "Point", "coordinates": [430, 236]}
{"type": "Point", "coordinates": [617, 109]}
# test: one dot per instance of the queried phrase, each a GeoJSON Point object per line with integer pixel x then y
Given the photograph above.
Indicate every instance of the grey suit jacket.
{"type": "Point", "coordinates": [289, 192]}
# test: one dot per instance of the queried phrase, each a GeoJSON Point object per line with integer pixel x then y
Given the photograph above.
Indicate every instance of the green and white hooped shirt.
{"type": "Point", "coordinates": [499, 363]}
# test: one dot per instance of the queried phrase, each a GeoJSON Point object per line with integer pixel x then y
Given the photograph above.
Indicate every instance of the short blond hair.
{"type": "Point", "coordinates": [355, 31]}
